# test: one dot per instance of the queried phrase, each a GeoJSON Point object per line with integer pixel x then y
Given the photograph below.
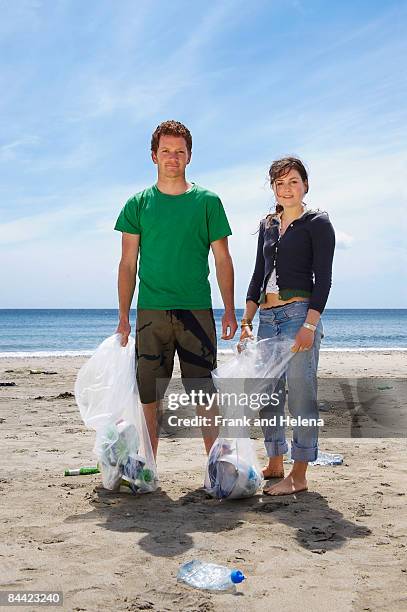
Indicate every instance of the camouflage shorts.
{"type": "Point", "coordinates": [159, 333]}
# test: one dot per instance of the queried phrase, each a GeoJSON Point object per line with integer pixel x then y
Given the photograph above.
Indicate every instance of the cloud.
{"type": "Point", "coordinates": [11, 150]}
{"type": "Point", "coordinates": [78, 157]}
{"type": "Point", "coordinates": [343, 240]}
{"type": "Point", "coordinates": [165, 76]}
{"type": "Point", "coordinates": [96, 214]}
{"type": "Point", "coordinates": [17, 17]}
{"type": "Point", "coordinates": [41, 226]}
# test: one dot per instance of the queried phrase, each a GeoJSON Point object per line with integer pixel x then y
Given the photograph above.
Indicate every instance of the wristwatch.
{"type": "Point", "coordinates": [309, 326]}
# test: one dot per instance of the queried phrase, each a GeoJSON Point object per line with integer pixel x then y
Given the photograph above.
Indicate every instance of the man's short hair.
{"type": "Point", "coordinates": [171, 128]}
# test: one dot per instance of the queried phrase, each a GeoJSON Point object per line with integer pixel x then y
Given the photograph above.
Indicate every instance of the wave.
{"type": "Point", "coordinates": [88, 353]}
{"type": "Point", "coordinates": [341, 349]}
{"type": "Point", "coordinates": [78, 353]}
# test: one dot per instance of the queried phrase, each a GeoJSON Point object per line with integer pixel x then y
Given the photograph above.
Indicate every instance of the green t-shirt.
{"type": "Point", "coordinates": [175, 236]}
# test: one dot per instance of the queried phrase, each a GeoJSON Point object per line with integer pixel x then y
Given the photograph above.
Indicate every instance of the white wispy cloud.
{"type": "Point", "coordinates": [79, 156]}
{"type": "Point", "coordinates": [41, 226]}
{"type": "Point", "coordinates": [17, 17]}
{"type": "Point", "coordinates": [159, 80]}
{"type": "Point", "coordinates": [68, 217]}
{"type": "Point", "coordinates": [9, 151]}
{"type": "Point", "coordinates": [343, 240]}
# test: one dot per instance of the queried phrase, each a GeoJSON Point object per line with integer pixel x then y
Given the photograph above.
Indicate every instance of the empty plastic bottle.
{"type": "Point", "coordinates": [322, 459]}
{"type": "Point", "coordinates": [83, 471]}
{"type": "Point", "coordinates": [328, 459]}
{"type": "Point", "coordinates": [209, 576]}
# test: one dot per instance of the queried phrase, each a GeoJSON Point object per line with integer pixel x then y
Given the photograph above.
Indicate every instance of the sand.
{"type": "Point", "coordinates": [340, 546]}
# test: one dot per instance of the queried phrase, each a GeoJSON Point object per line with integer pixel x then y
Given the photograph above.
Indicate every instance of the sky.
{"type": "Point", "coordinates": [84, 84]}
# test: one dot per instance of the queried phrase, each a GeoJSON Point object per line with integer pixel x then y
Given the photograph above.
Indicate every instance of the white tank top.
{"type": "Point", "coordinates": [272, 286]}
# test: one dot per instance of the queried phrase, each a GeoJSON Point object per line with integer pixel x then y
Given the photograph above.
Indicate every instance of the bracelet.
{"type": "Point", "coordinates": [246, 323]}
{"type": "Point", "coordinates": [309, 326]}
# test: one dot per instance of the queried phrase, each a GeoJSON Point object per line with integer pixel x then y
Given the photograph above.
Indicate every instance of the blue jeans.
{"type": "Point", "coordinates": [301, 378]}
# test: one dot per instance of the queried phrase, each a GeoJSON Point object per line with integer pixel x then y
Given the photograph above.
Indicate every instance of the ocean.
{"type": "Point", "coordinates": [79, 331]}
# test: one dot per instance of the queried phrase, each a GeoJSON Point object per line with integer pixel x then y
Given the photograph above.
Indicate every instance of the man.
{"type": "Point", "coordinates": [173, 224]}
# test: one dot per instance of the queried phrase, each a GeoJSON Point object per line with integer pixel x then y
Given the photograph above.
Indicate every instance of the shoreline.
{"type": "Point", "coordinates": [89, 352]}
{"type": "Point", "coordinates": [385, 363]}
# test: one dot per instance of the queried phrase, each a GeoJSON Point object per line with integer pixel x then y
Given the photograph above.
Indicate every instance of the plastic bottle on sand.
{"type": "Point", "coordinates": [322, 459]}
{"type": "Point", "coordinates": [209, 576]}
{"type": "Point", "coordinates": [328, 459]}
{"type": "Point", "coordinates": [83, 471]}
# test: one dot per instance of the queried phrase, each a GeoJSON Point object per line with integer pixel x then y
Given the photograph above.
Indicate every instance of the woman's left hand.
{"type": "Point", "coordinates": [303, 340]}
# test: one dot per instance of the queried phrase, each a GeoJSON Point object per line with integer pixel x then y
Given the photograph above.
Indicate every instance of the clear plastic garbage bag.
{"type": "Point", "coordinates": [263, 360]}
{"type": "Point", "coordinates": [232, 470]}
{"type": "Point", "coordinates": [107, 397]}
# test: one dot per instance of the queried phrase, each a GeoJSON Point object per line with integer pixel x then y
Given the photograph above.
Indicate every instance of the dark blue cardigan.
{"type": "Point", "coordinates": [302, 258]}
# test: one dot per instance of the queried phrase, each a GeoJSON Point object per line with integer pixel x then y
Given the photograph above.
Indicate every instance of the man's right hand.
{"type": "Point", "coordinates": [124, 329]}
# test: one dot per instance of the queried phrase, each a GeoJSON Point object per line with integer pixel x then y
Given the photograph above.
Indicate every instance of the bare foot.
{"type": "Point", "coordinates": [291, 484]}
{"type": "Point", "coordinates": [275, 468]}
{"type": "Point", "coordinates": [272, 472]}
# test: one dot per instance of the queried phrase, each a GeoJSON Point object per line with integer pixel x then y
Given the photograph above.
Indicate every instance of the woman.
{"type": "Point", "coordinates": [290, 284]}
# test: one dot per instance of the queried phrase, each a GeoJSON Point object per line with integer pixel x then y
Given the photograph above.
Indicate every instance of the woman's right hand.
{"type": "Point", "coordinates": [248, 316]}
{"type": "Point", "coordinates": [246, 334]}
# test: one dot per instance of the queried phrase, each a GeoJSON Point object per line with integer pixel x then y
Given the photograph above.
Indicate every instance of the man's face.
{"type": "Point", "coordinates": [172, 157]}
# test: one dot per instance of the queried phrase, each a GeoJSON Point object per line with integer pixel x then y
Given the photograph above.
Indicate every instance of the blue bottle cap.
{"type": "Point", "coordinates": [237, 576]}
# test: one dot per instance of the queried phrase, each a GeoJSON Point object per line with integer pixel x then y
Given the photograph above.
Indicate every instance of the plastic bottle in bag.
{"type": "Point", "coordinates": [117, 442]}
{"type": "Point", "coordinates": [107, 397]}
{"type": "Point", "coordinates": [209, 576]}
{"type": "Point", "coordinates": [232, 471]}
{"type": "Point", "coordinates": [120, 460]}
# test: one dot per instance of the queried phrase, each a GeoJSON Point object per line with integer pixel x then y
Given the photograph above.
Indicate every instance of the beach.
{"type": "Point", "coordinates": [340, 546]}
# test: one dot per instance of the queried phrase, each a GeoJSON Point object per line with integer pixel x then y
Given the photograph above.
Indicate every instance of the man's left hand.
{"type": "Point", "coordinates": [229, 325]}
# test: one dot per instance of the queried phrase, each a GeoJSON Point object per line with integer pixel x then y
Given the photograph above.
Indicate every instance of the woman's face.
{"type": "Point", "coordinates": [289, 189]}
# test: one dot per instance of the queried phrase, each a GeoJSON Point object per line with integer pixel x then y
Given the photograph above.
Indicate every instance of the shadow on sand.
{"type": "Point", "coordinates": [168, 523]}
